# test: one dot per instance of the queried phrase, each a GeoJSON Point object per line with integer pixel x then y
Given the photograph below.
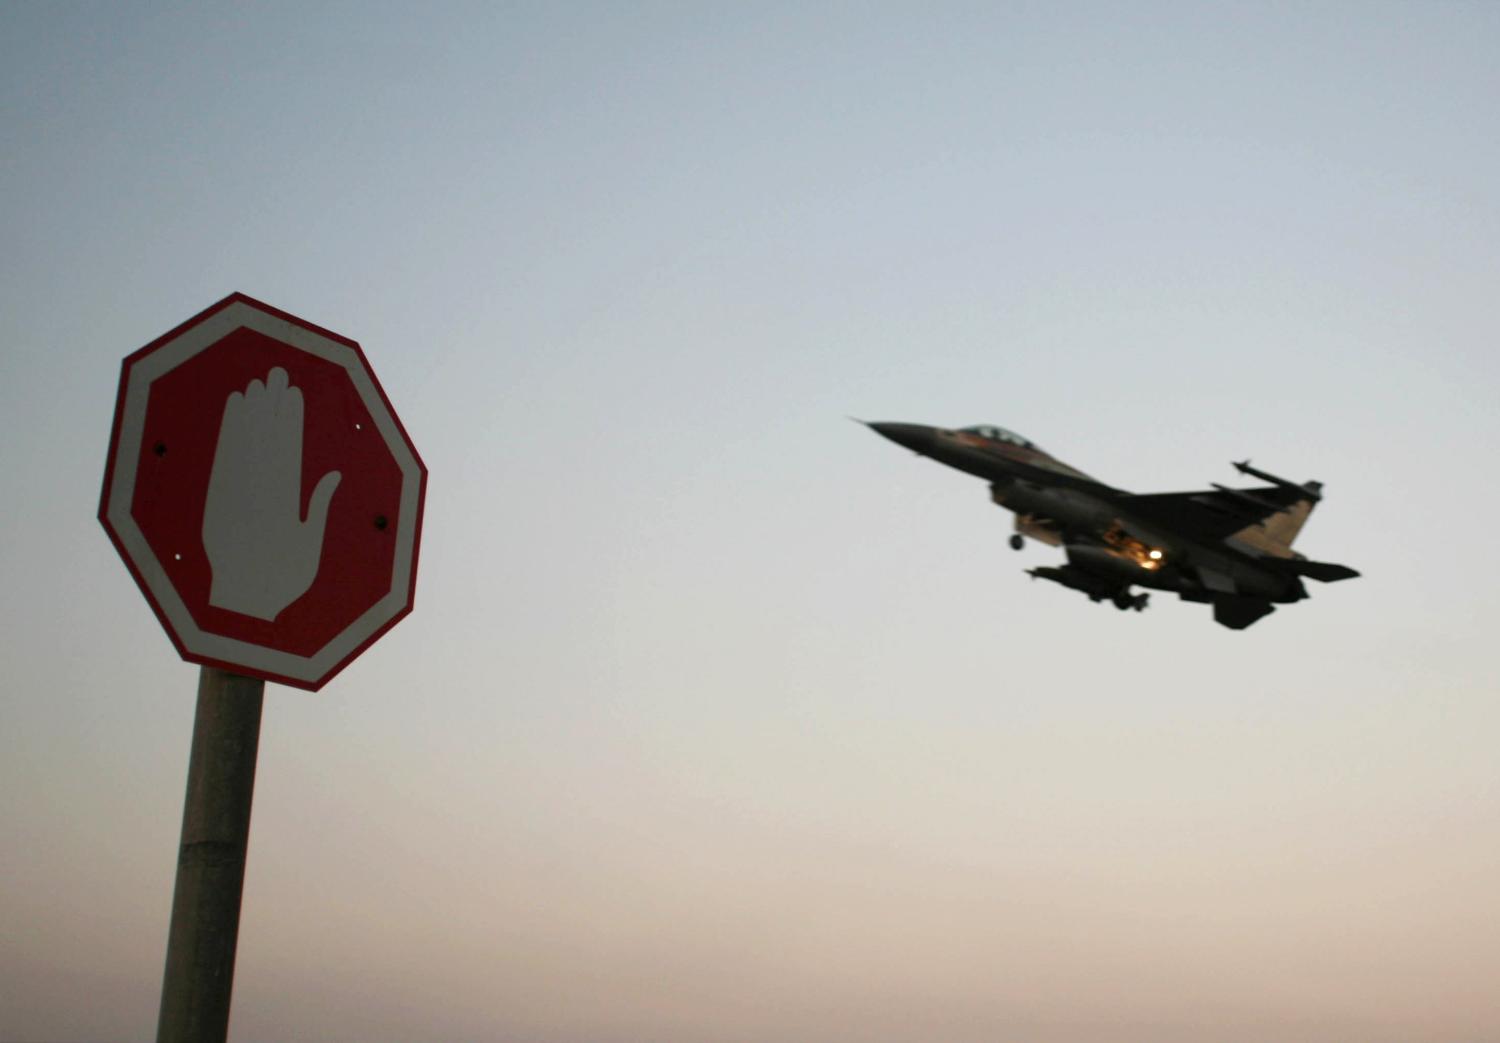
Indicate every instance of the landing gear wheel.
{"type": "Point", "coordinates": [1124, 602]}
{"type": "Point", "coordinates": [1016, 542]}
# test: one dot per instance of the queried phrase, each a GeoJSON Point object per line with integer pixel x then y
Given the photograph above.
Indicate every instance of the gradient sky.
{"type": "Point", "coordinates": [719, 718]}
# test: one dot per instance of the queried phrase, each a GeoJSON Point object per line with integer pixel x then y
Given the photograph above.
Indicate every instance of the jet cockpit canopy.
{"type": "Point", "coordinates": [999, 434]}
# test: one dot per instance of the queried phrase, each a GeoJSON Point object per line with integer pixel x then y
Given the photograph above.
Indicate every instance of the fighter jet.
{"type": "Point", "coordinates": [1230, 548]}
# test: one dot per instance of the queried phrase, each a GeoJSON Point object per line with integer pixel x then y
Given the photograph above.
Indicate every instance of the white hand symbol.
{"type": "Point", "coordinates": [263, 554]}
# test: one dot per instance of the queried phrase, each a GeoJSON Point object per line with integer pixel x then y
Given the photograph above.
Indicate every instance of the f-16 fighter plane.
{"type": "Point", "coordinates": [1230, 548]}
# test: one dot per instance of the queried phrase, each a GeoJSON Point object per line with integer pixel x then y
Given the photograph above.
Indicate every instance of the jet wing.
{"type": "Point", "coordinates": [1213, 514]}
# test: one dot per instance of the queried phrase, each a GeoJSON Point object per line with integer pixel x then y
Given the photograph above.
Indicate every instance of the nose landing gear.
{"type": "Point", "coordinates": [1017, 541]}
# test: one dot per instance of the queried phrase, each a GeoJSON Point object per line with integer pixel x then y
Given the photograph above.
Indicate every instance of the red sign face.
{"type": "Point", "coordinates": [263, 493]}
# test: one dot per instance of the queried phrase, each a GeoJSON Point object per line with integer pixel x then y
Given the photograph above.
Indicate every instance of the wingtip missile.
{"type": "Point", "coordinates": [1312, 490]}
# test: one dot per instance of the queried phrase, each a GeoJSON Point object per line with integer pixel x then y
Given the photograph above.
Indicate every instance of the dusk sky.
{"type": "Point", "coordinates": [719, 718]}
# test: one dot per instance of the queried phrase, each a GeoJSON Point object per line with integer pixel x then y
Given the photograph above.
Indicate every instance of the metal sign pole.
{"type": "Point", "coordinates": [205, 926]}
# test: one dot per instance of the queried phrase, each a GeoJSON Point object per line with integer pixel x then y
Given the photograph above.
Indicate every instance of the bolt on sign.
{"type": "Point", "coordinates": [263, 493]}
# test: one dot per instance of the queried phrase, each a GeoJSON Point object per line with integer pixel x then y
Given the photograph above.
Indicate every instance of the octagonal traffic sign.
{"type": "Point", "coordinates": [263, 493]}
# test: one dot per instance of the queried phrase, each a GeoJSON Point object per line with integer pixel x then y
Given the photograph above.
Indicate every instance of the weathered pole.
{"type": "Point", "coordinates": [205, 925]}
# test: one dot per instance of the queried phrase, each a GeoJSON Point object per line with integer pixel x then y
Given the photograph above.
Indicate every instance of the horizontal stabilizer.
{"type": "Point", "coordinates": [1322, 571]}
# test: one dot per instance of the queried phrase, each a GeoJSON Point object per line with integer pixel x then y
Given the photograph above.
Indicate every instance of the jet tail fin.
{"type": "Point", "coordinates": [1276, 533]}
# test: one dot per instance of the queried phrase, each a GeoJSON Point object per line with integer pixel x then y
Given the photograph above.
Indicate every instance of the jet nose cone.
{"type": "Point", "coordinates": [916, 437]}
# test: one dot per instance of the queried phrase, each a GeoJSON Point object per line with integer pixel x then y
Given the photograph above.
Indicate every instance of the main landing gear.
{"type": "Point", "coordinates": [1017, 541]}
{"type": "Point", "coordinates": [1124, 601]}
